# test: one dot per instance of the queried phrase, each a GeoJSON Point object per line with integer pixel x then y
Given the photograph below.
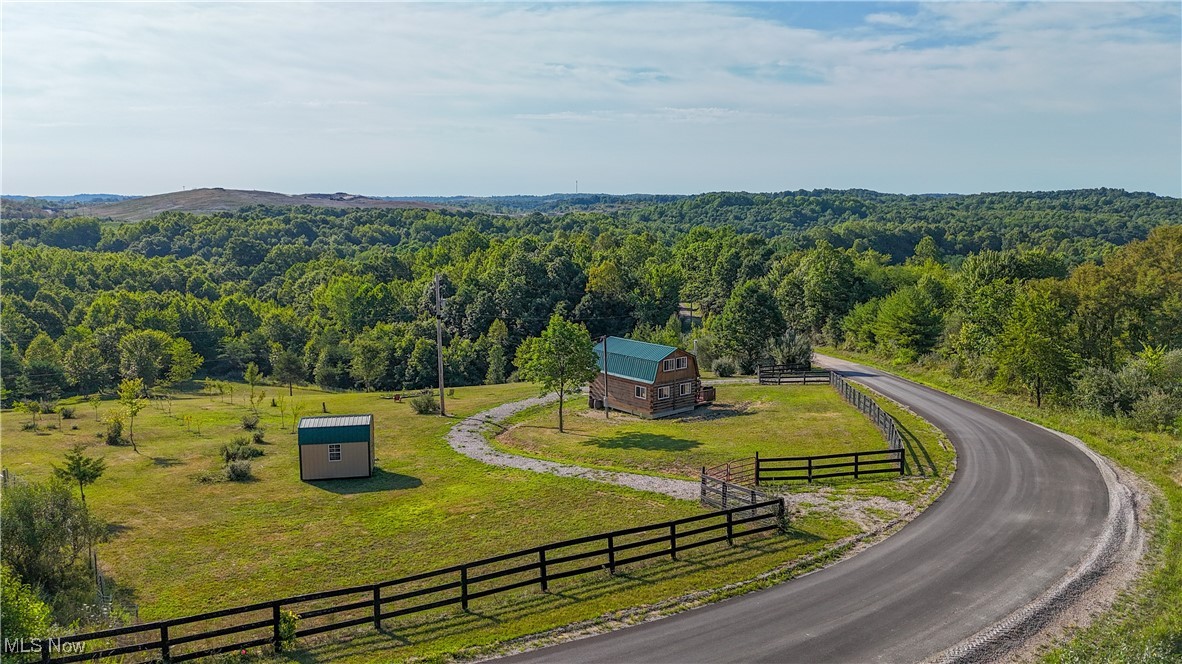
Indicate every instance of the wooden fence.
{"type": "Point", "coordinates": [864, 403]}
{"type": "Point", "coordinates": [789, 374]}
{"type": "Point", "coordinates": [722, 494]}
{"type": "Point", "coordinates": [763, 470]}
{"type": "Point", "coordinates": [260, 624]}
{"type": "Point", "coordinates": [809, 468]}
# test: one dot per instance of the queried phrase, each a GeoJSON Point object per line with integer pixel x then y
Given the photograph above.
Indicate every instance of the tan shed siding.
{"type": "Point", "coordinates": [314, 463]}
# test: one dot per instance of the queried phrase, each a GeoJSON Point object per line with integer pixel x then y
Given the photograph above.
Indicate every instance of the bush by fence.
{"type": "Point", "coordinates": [269, 623]}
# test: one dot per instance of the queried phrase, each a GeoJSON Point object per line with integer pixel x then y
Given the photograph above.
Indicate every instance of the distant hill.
{"type": "Point", "coordinates": [549, 204]}
{"type": "Point", "coordinates": [229, 200]}
{"type": "Point", "coordinates": [74, 198]}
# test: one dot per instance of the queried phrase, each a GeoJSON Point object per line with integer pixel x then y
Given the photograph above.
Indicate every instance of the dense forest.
{"type": "Point", "coordinates": [1056, 293]}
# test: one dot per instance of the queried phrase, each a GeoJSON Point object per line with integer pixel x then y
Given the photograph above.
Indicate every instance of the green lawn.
{"type": "Point", "coordinates": [771, 420]}
{"type": "Point", "coordinates": [179, 546]}
{"type": "Point", "coordinates": [1146, 623]}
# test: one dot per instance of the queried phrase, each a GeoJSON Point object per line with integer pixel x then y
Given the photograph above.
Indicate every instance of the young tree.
{"type": "Point", "coordinates": [286, 367]}
{"type": "Point", "coordinates": [252, 375]}
{"type": "Point", "coordinates": [297, 409]}
{"type": "Point", "coordinates": [83, 365]}
{"type": "Point", "coordinates": [1034, 347]}
{"type": "Point", "coordinates": [560, 359]}
{"type": "Point", "coordinates": [498, 339]}
{"type": "Point", "coordinates": [369, 362]}
{"type": "Point", "coordinates": [748, 322]}
{"type": "Point", "coordinates": [129, 397]}
{"type": "Point", "coordinates": [183, 362]}
{"type": "Point", "coordinates": [94, 400]}
{"type": "Point", "coordinates": [81, 469]}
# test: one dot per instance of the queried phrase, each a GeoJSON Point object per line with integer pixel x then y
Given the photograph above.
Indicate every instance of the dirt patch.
{"type": "Point", "coordinates": [719, 410]}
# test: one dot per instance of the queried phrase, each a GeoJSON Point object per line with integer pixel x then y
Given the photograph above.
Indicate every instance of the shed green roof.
{"type": "Point", "coordinates": [632, 359]}
{"type": "Point", "coordinates": [334, 429]}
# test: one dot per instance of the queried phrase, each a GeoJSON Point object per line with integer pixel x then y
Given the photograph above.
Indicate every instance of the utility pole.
{"type": "Point", "coordinates": [439, 343]}
{"type": "Point", "coordinates": [606, 414]}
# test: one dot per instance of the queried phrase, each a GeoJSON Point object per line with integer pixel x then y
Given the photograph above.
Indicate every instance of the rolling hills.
{"type": "Point", "coordinates": [217, 199]}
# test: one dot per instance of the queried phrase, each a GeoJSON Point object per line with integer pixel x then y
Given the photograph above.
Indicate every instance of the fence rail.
{"type": "Point", "coordinates": [722, 494]}
{"type": "Point", "coordinates": [870, 408]}
{"type": "Point", "coordinates": [809, 468]}
{"type": "Point", "coordinates": [789, 374]}
{"type": "Point", "coordinates": [260, 624]}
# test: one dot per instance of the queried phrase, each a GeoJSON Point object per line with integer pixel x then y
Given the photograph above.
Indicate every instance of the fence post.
{"type": "Point", "coordinates": [730, 529]}
{"type": "Point", "coordinates": [703, 496]}
{"type": "Point", "coordinates": [673, 541]}
{"type": "Point", "coordinates": [464, 588]}
{"type": "Point", "coordinates": [725, 494]}
{"type": "Point", "coordinates": [902, 462]}
{"type": "Point", "coordinates": [810, 469]}
{"type": "Point", "coordinates": [542, 562]}
{"type": "Point", "coordinates": [780, 516]}
{"type": "Point", "coordinates": [611, 555]}
{"type": "Point", "coordinates": [377, 607]}
{"type": "Point", "coordinates": [164, 655]}
{"type": "Point", "coordinates": [757, 469]}
{"type": "Point", "coordinates": [857, 458]}
{"type": "Point", "coordinates": [275, 636]}
{"type": "Point", "coordinates": [753, 501]}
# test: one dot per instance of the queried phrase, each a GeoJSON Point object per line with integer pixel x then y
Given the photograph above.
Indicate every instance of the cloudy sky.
{"type": "Point", "coordinates": [482, 99]}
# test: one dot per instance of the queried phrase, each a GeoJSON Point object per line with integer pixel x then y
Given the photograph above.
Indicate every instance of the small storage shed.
{"type": "Point", "coordinates": [335, 447]}
{"type": "Point", "coordinates": [647, 380]}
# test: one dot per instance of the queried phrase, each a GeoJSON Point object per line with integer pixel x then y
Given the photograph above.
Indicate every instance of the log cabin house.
{"type": "Point", "coordinates": [647, 380]}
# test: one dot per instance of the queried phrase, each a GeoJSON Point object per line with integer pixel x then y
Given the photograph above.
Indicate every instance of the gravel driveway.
{"type": "Point", "coordinates": [467, 438]}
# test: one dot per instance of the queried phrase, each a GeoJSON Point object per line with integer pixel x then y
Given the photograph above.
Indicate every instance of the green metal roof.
{"type": "Point", "coordinates": [334, 429]}
{"type": "Point", "coordinates": [632, 359]}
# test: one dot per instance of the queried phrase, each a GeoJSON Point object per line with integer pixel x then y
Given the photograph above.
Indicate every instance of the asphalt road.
{"type": "Point", "coordinates": [1024, 507]}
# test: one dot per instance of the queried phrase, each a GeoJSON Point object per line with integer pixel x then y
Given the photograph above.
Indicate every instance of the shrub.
{"type": "Point", "coordinates": [256, 437]}
{"type": "Point", "coordinates": [1155, 411]}
{"type": "Point", "coordinates": [250, 422]}
{"type": "Point", "coordinates": [239, 471]}
{"type": "Point", "coordinates": [287, 628]}
{"type": "Point", "coordinates": [28, 426]}
{"type": "Point", "coordinates": [113, 433]}
{"type": "Point", "coordinates": [425, 404]}
{"type": "Point", "coordinates": [239, 449]}
{"type": "Point", "coordinates": [724, 367]}
{"type": "Point", "coordinates": [67, 412]}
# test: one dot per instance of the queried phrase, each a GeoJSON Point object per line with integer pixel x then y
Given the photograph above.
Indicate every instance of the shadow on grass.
{"type": "Point", "coordinates": [165, 462]}
{"type": "Point", "coordinates": [643, 441]}
{"type": "Point", "coordinates": [116, 529]}
{"type": "Point", "coordinates": [382, 480]}
{"type": "Point", "coordinates": [911, 442]}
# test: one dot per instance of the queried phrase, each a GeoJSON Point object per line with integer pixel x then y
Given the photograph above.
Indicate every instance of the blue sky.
{"type": "Point", "coordinates": [484, 99]}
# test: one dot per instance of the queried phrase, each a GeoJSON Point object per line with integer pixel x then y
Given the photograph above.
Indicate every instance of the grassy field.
{"type": "Point", "coordinates": [180, 546]}
{"type": "Point", "coordinates": [1146, 623]}
{"type": "Point", "coordinates": [774, 421]}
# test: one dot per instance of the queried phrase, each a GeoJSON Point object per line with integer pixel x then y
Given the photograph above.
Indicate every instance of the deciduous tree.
{"type": "Point", "coordinates": [560, 359]}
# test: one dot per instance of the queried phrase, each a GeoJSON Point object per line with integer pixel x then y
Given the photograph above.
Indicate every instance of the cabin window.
{"type": "Point", "coordinates": [685, 389]}
{"type": "Point", "coordinates": [682, 362]}
{"type": "Point", "coordinates": [663, 392]}
{"type": "Point", "coordinates": [641, 392]}
{"type": "Point", "coordinates": [334, 452]}
{"type": "Point", "coordinates": [667, 365]}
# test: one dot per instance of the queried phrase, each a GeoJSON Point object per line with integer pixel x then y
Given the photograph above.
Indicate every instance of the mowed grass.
{"type": "Point", "coordinates": [179, 546]}
{"type": "Point", "coordinates": [771, 420]}
{"type": "Point", "coordinates": [1145, 625]}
